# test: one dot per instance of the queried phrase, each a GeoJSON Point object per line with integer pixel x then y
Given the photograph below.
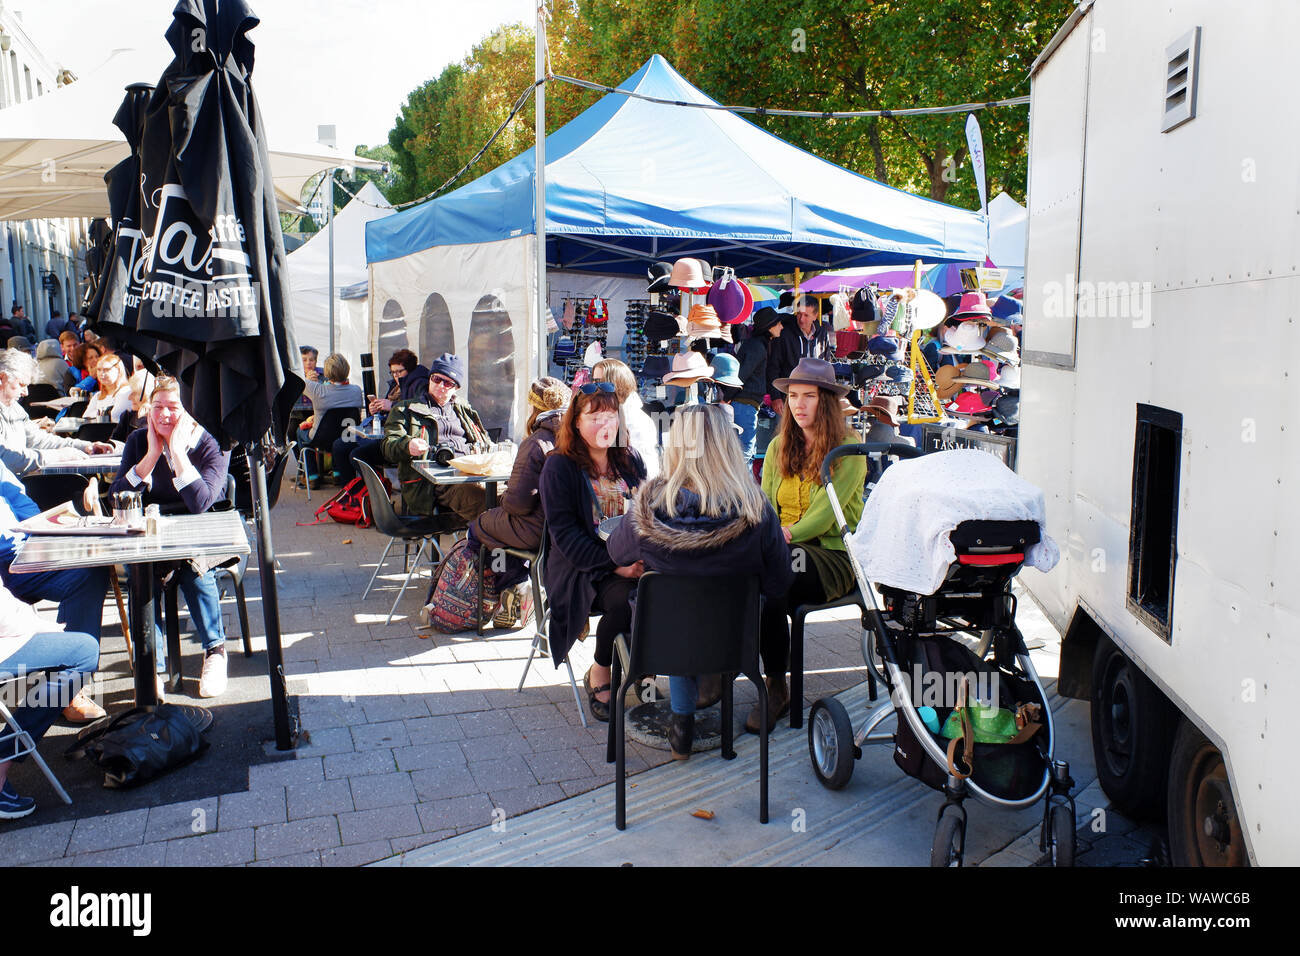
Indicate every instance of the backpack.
{"type": "Point", "coordinates": [352, 504]}
{"type": "Point", "coordinates": [454, 590]}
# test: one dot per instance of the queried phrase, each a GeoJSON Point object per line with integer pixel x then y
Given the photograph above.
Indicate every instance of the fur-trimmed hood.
{"type": "Point", "coordinates": [690, 530]}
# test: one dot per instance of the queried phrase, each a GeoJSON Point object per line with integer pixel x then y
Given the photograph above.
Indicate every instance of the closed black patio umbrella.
{"type": "Point", "coordinates": [213, 282]}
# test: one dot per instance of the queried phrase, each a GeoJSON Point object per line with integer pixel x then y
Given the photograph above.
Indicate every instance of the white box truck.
{"type": "Point", "coordinates": [1160, 406]}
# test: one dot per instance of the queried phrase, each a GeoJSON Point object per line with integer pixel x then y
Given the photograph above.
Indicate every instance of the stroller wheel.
{"type": "Point", "coordinates": [949, 845]}
{"type": "Point", "coordinates": [1060, 835]}
{"type": "Point", "coordinates": [830, 743]}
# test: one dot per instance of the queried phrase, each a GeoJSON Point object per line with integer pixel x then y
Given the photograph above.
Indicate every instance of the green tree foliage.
{"type": "Point", "coordinates": [831, 55]}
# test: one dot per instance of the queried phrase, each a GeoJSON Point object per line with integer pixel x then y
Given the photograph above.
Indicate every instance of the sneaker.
{"type": "Point", "coordinates": [12, 806]}
{"type": "Point", "coordinates": [525, 602]}
{"type": "Point", "coordinates": [82, 710]}
{"type": "Point", "coordinates": [508, 614]}
{"type": "Point", "coordinates": [212, 682]}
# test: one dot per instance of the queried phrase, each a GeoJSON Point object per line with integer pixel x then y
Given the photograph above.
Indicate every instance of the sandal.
{"type": "Point", "coordinates": [599, 708]}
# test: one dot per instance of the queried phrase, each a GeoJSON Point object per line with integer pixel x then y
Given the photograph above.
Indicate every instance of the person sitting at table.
{"type": "Point", "coordinates": [641, 429]}
{"type": "Point", "coordinates": [79, 592]}
{"type": "Point", "coordinates": [811, 425]}
{"type": "Point", "coordinates": [68, 342]}
{"type": "Point", "coordinates": [584, 481]}
{"type": "Point", "coordinates": [28, 644]}
{"type": "Point", "coordinates": [334, 392]}
{"type": "Point", "coordinates": [704, 515]}
{"type": "Point", "coordinates": [84, 358]}
{"type": "Point", "coordinates": [517, 522]}
{"type": "Point", "coordinates": [179, 466]}
{"type": "Point", "coordinates": [114, 395]}
{"type": "Point", "coordinates": [409, 379]}
{"type": "Point", "coordinates": [427, 428]}
{"type": "Point", "coordinates": [51, 369]}
{"type": "Point", "coordinates": [23, 446]}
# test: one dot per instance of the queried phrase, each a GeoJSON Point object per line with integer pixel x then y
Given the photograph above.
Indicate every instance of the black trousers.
{"type": "Point", "coordinates": [346, 451]}
{"type": "Point", "coordinates": [774, 640]}
{"type": "Point", "coordinates": [612, 593]}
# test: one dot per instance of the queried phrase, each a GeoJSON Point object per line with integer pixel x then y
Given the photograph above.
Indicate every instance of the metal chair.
{"type": "Point", "coordinates": [797, 616]}
{"type": "Point", "coordinates": [328, 430]}
{"type": "Point", "coordinates": [23, 742]}
{"type": "Point", "coordinates": [541, 617]}
{"type": "Point", "coordinates": [407, 528]}
{"type": "Point", "coordinates": [690, 625]}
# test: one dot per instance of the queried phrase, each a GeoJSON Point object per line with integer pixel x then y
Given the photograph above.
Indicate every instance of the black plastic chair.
{"type": "Point", "coordinates": [39, 392]}
{"type": "Point", "coordinates": [691, 625]}
{"type": "Point", "coordinates": [50, 490]}
{"type": "Point", "coordinates": [328, 431]}
{"type": "Point", "coordinates": [424, 528]}
{"type": "Point", "coordinates": [96, 431]}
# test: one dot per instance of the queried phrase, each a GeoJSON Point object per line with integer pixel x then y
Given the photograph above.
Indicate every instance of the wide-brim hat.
{"type": "Point", "coordinates": [662, 325]}
{"type": "Point", "coordinates": [764, 319]}
{"type": "Point", "coordinates": [970, 404]}
{"type": "Point", "coordinates": [688, 367]}
{"type": "Point", "coordinates": [1008, 408]}
{"type": "Point", "coordinates": [659, 273]}
{"type": "Point", "coordinates": [886, 408]}
{"type": "Point", "coordinates": [926, 310]}
{"type": "Point", "coordinates": [945, 381]}
{"type": "Point", "coordinates": [812, 371]}
{"type": "Point", "coordinates": [965, 339]}
{"type": "Point", "coordinates": [976, 373]}
{"type": "Point", "coordinates": [972, 306]}
{"type": "Point", "coordinates": [1003, 346]}
{"type": "Point", "coordinates": [702, 319]}
{"type": "Point", "coordinates": [693, 275]}
{"type": "Point", "coordinates": [726, 370]}
{"type": "Point", "coordinates": [1009, 379]}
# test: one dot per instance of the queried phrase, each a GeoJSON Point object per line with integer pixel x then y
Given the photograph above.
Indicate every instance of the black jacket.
{"type": "Point", "coordinates": [752, 355]}
{"type": "Point", "coordinates": [789, 348]}
{"type": "Point", "coordinates": [415, 384]}
{"type": "Point", "coordinates": [577, 558]}
{"type": "Point", "coordinates": [698, 545]}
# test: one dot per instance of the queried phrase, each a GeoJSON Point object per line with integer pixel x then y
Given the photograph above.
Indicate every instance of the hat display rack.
{"type": "Point", "coordinates": [988, 370]}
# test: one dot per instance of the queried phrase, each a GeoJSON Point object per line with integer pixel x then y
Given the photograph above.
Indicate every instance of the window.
{"type": "Point", "coordinates": [1181, 67]}
{"type": "Point", "coordinates": [1153, 524]}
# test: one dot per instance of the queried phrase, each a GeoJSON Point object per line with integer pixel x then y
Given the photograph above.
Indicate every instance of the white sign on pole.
{"type": "Point", "coordinates": [975, 143]}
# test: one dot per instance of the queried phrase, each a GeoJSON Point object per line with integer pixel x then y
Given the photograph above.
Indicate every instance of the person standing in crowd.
{"type": "Point", "coordinates": [409, 379]}
{"type": "Point", "coordinates": [803, 337]}
{"type": "Point", "coordinates": [79, 592]}
{"type": "Point", "coordinates": [425, 428]}
{"type": "Point", "coordinates": [21, 325]}
{"type": "Point", "coordinates": [587, 479]}
{"type": "Point", "coordinates": [51, 369]}
{"type": "Point", "coordinates": [753, 356]}
{"type": "Point", "coordinates": [23, 446]}
{"type": "Point", "coordinates": [177, 465]}
{"type": "Point", "coordinates": [28, 645]}
{"type": "Point", "coordinates": [334, 392]}
{"type": "Point", "coordinates": [517, 522]}
{"type": "Point", "coordinates": [642, 432]}
{"type": "Point", "coordinates": [58, 325]}
{"type": "Point", "coordinates": [811, 425]}
{"type": "Point", "coordinates": [703, 516]}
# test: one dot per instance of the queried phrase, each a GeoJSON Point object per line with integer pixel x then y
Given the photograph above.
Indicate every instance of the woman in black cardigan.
{"type": "Point", "coordinates": [586, 479]}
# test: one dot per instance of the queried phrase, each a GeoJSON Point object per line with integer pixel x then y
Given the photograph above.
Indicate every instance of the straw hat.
{"type": "Point", "coordinates": [945, 381]}
{"type": "Point", "coordinates": [976, 373]}
{"type": "Point", "coordinates": [688, 367]}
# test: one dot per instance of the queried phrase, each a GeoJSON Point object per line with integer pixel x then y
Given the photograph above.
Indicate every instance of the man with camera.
{"type": "Point", "coordinates": [440, 428]}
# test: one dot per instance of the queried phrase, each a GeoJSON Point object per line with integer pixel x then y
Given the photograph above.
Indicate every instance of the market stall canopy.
{"type": "Point", "coordinates": [55, 149]}
{"type": "Point", "coordinates": [630, 180]}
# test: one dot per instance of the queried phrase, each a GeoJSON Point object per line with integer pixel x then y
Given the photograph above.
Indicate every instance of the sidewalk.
{"type": "Point", "coordinates": [408, 739]}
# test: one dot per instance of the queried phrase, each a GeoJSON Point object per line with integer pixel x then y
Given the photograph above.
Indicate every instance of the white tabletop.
{"type": "Point", "coordinates": [181, 537]}
{"type": "Point", "coordinates": [446, 475]}
{"type": "Point", "coordinates": [90, 465]}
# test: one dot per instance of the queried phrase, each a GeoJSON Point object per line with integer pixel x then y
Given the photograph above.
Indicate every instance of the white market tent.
{"type": "Point", "coordinates": [628, 182]}
{"type": "Point", "coordinates": [1008, 231]}
{"type": "Point", "coordinates": [55, 149]}
{"type": "Point", "coordinates": [309, 280]}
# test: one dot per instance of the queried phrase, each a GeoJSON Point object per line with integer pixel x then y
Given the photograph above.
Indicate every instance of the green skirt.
{"type": "Point", "coordinates": [832, 568]}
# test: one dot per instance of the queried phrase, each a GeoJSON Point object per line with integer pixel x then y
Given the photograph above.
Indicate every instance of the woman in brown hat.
{"type": "Point", "coordinates": [517, 522]}
{"type": "Point", "coordinates": [811, 425]}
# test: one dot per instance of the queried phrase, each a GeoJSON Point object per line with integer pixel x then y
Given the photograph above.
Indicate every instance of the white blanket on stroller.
{"type": "Point", "coordinates": [903, 538]}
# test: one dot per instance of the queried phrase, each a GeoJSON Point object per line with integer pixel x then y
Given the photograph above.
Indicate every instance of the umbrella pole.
{"type": "Point", "coordinates": [270, 597]}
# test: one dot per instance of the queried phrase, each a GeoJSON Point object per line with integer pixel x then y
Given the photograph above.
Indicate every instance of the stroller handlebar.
{"type": "Point", "coordinates": [871, 448]}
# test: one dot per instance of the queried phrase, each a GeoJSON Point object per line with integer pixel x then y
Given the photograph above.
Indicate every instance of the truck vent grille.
{"type": "Point", "coordinates": [1181, 61]}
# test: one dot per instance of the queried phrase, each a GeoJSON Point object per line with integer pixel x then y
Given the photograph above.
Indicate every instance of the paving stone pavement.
{"type": "Point", "coordinates": [408, 737]}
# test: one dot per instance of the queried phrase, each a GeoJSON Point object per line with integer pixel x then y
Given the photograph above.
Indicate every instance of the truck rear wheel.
{"type": "Point", "coordinates": [1132, 729]}
{"type": "Point", "coordinates": [1204, 828]}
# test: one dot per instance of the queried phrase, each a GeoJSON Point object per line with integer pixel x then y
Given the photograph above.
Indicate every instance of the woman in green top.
{"type": "Point", "coordinates": [811, 426]}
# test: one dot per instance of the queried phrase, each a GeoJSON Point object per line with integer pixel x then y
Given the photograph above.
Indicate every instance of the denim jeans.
{"type": "Point", "coordinates": [203, 598]}
{"type": "Point", "coordinates": [682, 694]}
{"type": "Point", "coordinates": [79, 591]}
{"type": "Point", "coordinates": [746, 416]}
{"type": "Point", "coordinates": [74, 656]}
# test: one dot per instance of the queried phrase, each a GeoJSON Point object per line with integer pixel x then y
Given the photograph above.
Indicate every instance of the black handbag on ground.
{"type": "Point", "coordinates": [142, 743]}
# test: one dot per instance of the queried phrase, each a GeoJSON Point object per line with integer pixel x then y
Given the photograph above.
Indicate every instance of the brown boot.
{"type": "Point", "coordinates": [778, 705]}
{"type": "Point", "coordinates": [709, 692]}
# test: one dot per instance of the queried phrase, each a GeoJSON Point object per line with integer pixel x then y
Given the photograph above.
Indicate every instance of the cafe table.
{"type": "Point", "coordinates": [179, 538]}
{"type": "Point", "coordinates": [89, 465]}
{"type": "Point", "coordinates": [446, 475]}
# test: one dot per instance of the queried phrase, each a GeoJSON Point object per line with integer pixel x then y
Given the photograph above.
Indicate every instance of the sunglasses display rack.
{"type": "Point", "coordinates": [635, 346]}
{"type": "Point", "coordinates": [582, 335]}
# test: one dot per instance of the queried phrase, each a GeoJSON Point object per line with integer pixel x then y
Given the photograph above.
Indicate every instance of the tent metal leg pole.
{"type": "Point", "coordinates": [270, 598]}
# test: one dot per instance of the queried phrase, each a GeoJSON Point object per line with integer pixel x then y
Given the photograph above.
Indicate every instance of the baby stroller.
{"type": "Point", "coordinates": [913, 644]}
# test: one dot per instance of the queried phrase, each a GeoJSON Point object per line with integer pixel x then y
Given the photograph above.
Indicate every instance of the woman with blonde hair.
{"type": "Point", "coordinates": [640, 429]}
{"type": "Point", "coordinates": [517, 522]}
{"type": "Point", "coordinates": [811, 425]}
{"type": "Point", "coordinates": [703, 516]}
{"type": "Point", "coordinates": [114, 395]}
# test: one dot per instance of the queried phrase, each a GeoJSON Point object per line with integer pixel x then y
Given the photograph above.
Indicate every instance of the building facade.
{"type": "Point", "coordinates": [42, 261]}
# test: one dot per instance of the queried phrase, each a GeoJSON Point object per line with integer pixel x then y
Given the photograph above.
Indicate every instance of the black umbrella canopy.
{"type": "Point", "coordinates": [215, 287]}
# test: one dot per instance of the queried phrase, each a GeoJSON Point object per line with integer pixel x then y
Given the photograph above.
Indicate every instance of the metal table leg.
{"type": "Point", "coordinates": [142, 598]}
